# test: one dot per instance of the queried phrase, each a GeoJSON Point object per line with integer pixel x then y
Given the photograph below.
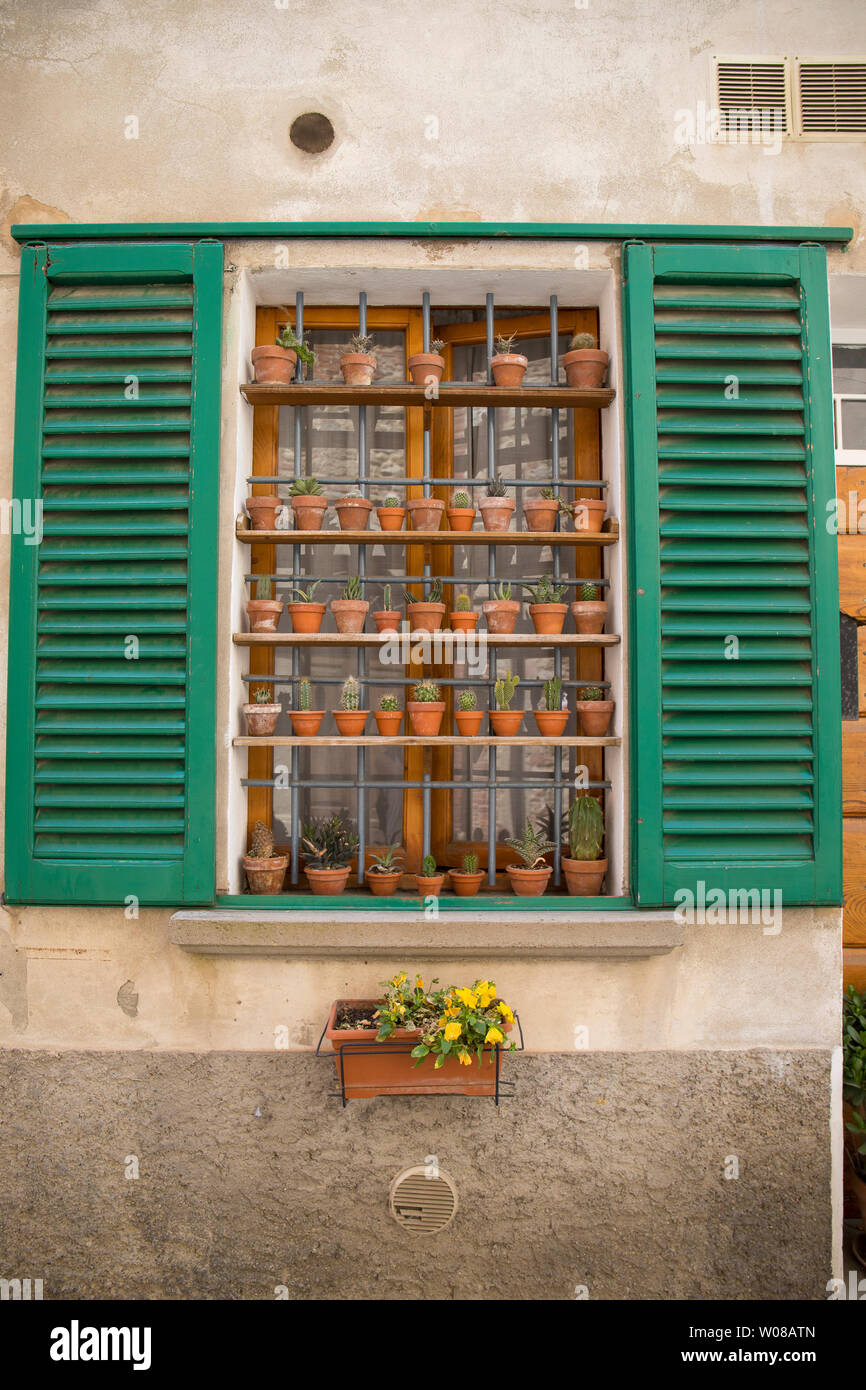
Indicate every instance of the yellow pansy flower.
{"type": "Point", "coordinates": [452, 1012]}
{"type": "Point", "coordinates": [506, 1012]}
{"type": "Point", "coordinates": [467, 998]}
{"type": "Point", "coordinates": [465, 1059]}
{"type": "Point", "coordinates": [453, 1030]}
{"type": "Point", "coordinates": [493, 1035]}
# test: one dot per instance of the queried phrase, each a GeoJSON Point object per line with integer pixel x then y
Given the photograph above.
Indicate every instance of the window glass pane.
{"type": "Point", "coordinates": [849, 370]}
{"type": "Point", "coordinates": [853, 424]}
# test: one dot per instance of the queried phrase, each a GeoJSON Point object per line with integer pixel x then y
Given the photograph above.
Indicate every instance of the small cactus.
{"type": "Point", "coordinates": [305, 695]}
{"type": "Point", "coordinates": [360, 342]}
{"type": "Point", "coordinates": [581, 342]}
{"type": "Point", "coordinates": [386, 599]}
{"type": "Point", "coordinates": [437, 345]}
{"type": "Point", "coordinates": [264, 588]}
{"type": "Point", "coordinates": [532, 845]}
{"type": "Point", "coordinates": [470, 863]}
{"type": "Point", "coordinates": [504, 689]}
{"type": "Point", "coordinates": [467, 701]}
{"type": "Point", "coordinates": [591, 692]}
{"type": "Point", "coordinates": [496, 489]}
{"type": "Point", "coordinates": [585, 828]}
{"type": "Point", "coordinates": [391, 501]}
{"type": "Point", "coordinates": [426, 692]}
{"type": "Point", "coordinates": [545, 591]}
{"type": "Point", "coordinates": [553, 693]}
{"type": "Point", "coordinates": [261, 842]}
{"type": "Point", "coordinates": [388, 704]}
{"type": "Point", "coordinates": [428, 866]}
{"type": "Point", "coordinates": [505, 345]}
{"type": "Point", "coordinates": [262, 695]}
{"type": "Point", "coordinates": [352, 588]}
{"type": "Point", "coordinates": [461, 499]}
{"type": "Point", "coordinates": [464, 603]}
{"type": "Point", "coordinates": [589, 593]}
{"type": "Point", "coordinates": [350, 695]}
{"type": "Point", "coordinates": [547, 494]}
{"type": "Point", "coordinates": [435, 595]}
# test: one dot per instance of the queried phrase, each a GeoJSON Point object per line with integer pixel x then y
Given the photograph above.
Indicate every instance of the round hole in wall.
{"type": "Point", "coordinates": [422, 1204]}
{"type": "Point", "coordinates": [311, 132]}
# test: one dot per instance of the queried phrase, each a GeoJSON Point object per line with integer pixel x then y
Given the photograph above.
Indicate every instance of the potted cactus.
{"type": "Point", "coordinates": [388, 716]}
{"type": "Point", "coordinates": [584, 868]}
{"type": "Point", "coordinates": [309, 504]}
{"type": "Point", "coordinates": [426, 709]}
{"type": "Point", "coordinates": [274, 365]}
{"type": "Point", "coordinates": [425, 513]}
{"type": "Point", "coordinates": [264, 869]}
{"type": "Point", "coordinates": [264, 610]}
{"type": "Point", "coordinates": [262, 714]}
{"type": "Point", "coordinates": [593, 711]}
{"type": "Point", "coordinates": [546, 608]}
{"type": "Point", "coordinates": [387, 618]}
{"type": "Point", "coordinates": [496, 507]}
{"type": "Point", "coordinates": [552, 716]}
{"type": "Point", "coordinates": [467, 880]}
{"type": "Point", "coordinates": [461, 513]}
{"type": "Point", "coordinates": [358, 363]}
{"type": "Point", "coordinates": [501, 610]}
{"type": "Point", "coordinates": [466, 716]}
{"type": "Point", "coordinates": [350, 718]}
{"type": "Point", "coordinates": [531, 877]}
{"type": "Point", "coordinates": [504, 720]}
{"type": "Point", "coordinates": [429, 881]}
{"type": "Point", "coordinates": [589, 610]}
{"type": "Point", "coordinates": [508, 367]}
{"type": "Point", "coordinates": [304, 614]}
{"type": "Point", "coordinates": [328, 847]}
{"type": "Point", "coordinates": [540, 512]}
{"type": "Point", "coordinates": [426, 615]}
{"type": "Point", "coordinates": [350, 609]}
{"type": "Point", "coordinates": [463, 619]}
{"type": "Point", "coordinates": [391, 514]}
{"type": "Point", "coordinates": [306, 721]}
{"type": "Point", "coordinates": [584, 364]}
{"type": "Point", "coordinates": [424, 365]}
{"type": "Point", "coordinates": [385, 872]}
{"type": "Point", "coordinates": [353, 511]}
{"type": "Point", "coordinates": [264, 510]}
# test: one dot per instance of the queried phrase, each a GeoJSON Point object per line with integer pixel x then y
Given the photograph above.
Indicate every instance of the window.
{"type": "Point", "coordinates": [849, 402]}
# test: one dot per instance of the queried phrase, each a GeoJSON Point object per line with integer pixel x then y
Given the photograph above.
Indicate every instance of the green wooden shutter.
{"type": "Point", "coordinates": [111, 732]}
{"type": "Point", "coordinates": [736, 763]}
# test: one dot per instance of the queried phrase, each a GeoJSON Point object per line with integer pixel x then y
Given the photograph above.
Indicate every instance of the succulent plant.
{"type": "Point", "coordinates": [532, 845]}
{"type": "Point", "coordinates": [547, 494]}
{"type": "Point", "coordinates": [350, 695]}
{"type": "Point", "coordinates": [262, 695]}
{"type": "Point", "coordinates": [585, 828]}
{"type": "Point", "coordinates": [504, 689]}
{"type": "Point", "coordinates": [461, 499]}
{"type": "Point", "coordinates": [437, 345]}
{"type": "Point", "coordinates": [426, 692]}
{"type": "Point", "coordinates": [502, 592]}
{"type": "Point", "coordinates": [261, 841]}
{"type": "Point", "coordinates": [496, 489]}
{"type": "Point", "coordinates": [360, 342]}
{"type": "Point", "coordinates": [581, 342]}
{"type": "Point", "coordinates": [505, 345]}
{"type": "Point", "coordinates": [545, 591]}
{"type": "Point", "coordinates": [305, 595]}
{"type": "Point", "coordinates": [464, 604]}
{"type": "Point", "coordinates": [388, 704]}
{"type": "Point", "coordinates": [589, 593]}
{"type": "Point", "coordinates": [264, 588]}
{"type": "Point", "coordinates": [553, 693]}
{"type": "Point", "coordinates": [352, 588]}
{"type": "Point", "coordinates": [386, 599]}
{"type": "Point", "coordinates": [305, 487]}
{"type": "Point", "coordinates": [470, 864]}
{"type": "Point", "coordinates": [409, 598]}
{"type": "Point", "coordinates": [386, 862]}
{"type": "Point", "coordinates": [428, 866]}
{"type": "Point", "coordinates": [305, 694]}
{"type": "Point", "coordinates": [435, 595]}
{"type": "Point", "coordinates": [591, 692]}
{"type": "Point", "coordinates": [391, 501]}
{"type": "Point", "coordinates": [289, 339]}
{"type": "Point", "coordinates": [467, 701]}
{"type": "Point", "coordinates": [328, 843]}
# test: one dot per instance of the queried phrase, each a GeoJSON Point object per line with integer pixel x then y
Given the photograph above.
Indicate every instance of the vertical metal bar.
{"type": "Point", "coordinates": [491, 816]}
{"type": "Point", "coordinates": [296, 572]}
{"type": "Point", "coordinates": [491, 577]}
{"type": "Point", "coordinates": [426, 805]}
{"type": "Point", "coordinates": [557, 654]}
{"type": "Point", "coordinates": [425, 442]}
{"type": "Point", "coordinates": [362, 651]}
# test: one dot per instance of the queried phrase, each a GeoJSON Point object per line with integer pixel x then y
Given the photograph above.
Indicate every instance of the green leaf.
{"type": "Point", "coordinates": [440, 1062]}
{"type": "Point", "coordinates": [420, 1051]}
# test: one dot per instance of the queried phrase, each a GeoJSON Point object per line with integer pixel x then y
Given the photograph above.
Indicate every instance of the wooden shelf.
{"type": "Point", "coordinates": [540, 538]}
{"type": "Point", "coordinates": [405, 394]}
{"type": "Point", "coordinates": [413, 741]}
{"type": "Point", "coordinates": [379, 639]}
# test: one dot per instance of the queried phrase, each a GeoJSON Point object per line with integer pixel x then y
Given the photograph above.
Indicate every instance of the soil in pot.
{"type": "Point", "coordinates": [388, 721]}
{"type": "Point", "coordinates": [383, 885]}
{"type": "Point", "coordinates": [551, 722]}
{"type": "Point", "coordinates": [350, 722]}
{"type": "Point", "coordinates": [466, 885]}
{"type": "Point", "coordinates": [262, 512]}
{"type": "Point", "coordinates": [261, 719]}
{"type": "Point", "coordinates": [548, 619]}
{"type": "Point", "coordinates": [425, 716]}
{"type": "Point", "coordinates": [501, 614]}
{"type": "Point", "coordinates": [585, 367]}
{"type": "Point", "coordinates": [358, 368]}
{"type": "Point", "coordinates": [460, 518]}
{"type": "Point", "coordinates": [353, 513]}
{"type": "Point", "coordinates": [391, 518]}
{"type": "Point", "coordinates": [509, 368]}
{"type": "Point", "coordinates": [425, 617]}
{"type": "Point", "coordinates": [264, 614]}
{"type": "Point", "coordinates": [468, 721]}
{"type": "Point", "coordinates": [589, 513]}
{"type": "Point", "coordinates": [594, 717]}
{"type": "Point", "coordinates": [425, 513]}
{"type": "Point", "coordinates": [589, 618]}
{"type": "Point", "coordinates": [528, 883]}
{"type": "Point", "coordinates": [309, 512]}
{"type": "Point", "coordinates": [423, 365]}
{"type": "Point", "coordinates": [273, 365]}
{"type": "Point", "coordinates": [323, 881]}
{"type": "Point", "coordinates": [584, 877]}
{"type": "Point", "coordinates": [463, 622]}
{"type": "Point", "coordinates": [306, 722]}
{"type": "Point", "coordinates": [349, 613]}
{"type": "Point", "coordinates": [496, 512]}
{"type": "Point", "coordinates": [387, 620]}
{"type": "Point", "coordinates": [306, 617]}
{"type": "Point", "coordinates": [506, 722]}
{"type": "Point", "coordinates": [429, 887]}
{"type": "Point", "coordinates": [540, 513]}
{"type": "Point", "coordinates": [265, 875]}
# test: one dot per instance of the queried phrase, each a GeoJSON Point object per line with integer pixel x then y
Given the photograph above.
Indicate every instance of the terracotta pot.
{"type": "Point", "coordinates": [391, 518]}
{"type": "Point", "coordinates": [265, 875]}
{"type": "Point", "coordinates": [540, 513]}
{"type": "Point", "coordinates": [262, 511]}
{"type": "Point", "coordinates": [509, 368]}
{"type": "Point", "coordinates": [425, 513]}
{"type": "Point", "coordinates": [585, 367]}
{"type": "Point", "coordinates": [264, 614]}
{"type": "Point", "coordinates": [551, 722]}
{"type": "Point", "coordinates": [548, 619]}
{"type": "Point", "coordinates": [468, 721]}
{"type": "Point", "coordinates": [383, 885]}
{"type": "Point", "coordinates": [496, 512]}
{"type": "Point", "coordinates": [306, 617]}
{"type": "Point", "coordinates": [261, 719]}
{"type": "Point", "coordinates": [528, 883]}
{"type": "Point", "coordinates": [350, 722]}
{"type": "Point", "coordinates": [425, 617]}
{"type": "Point", "coordinates": [506, 722]}
{"type": "Point", "coordinates": [425, 716]}
{"type": "Point", "coordinates": [373, 1071]}
{"type": "Point", "coordinates": [349, 613]}
{"type": "Point", "coordinates": [358, 368]}
{"type": "Point", "coordinates": [423, 365]}
{"type": "Point", "coordinates": [501, 614]}
{"type": "Point", "coordinates": [388, 721]}
{"type": "Point", "coordinates": [466, 885]}
{"type": "Point", "coordinates": [273, 365]}
{"type": "Point", "coordinates": [353, 513]}
{"type": "Point", "coordinates": [309, 512]}
{"type": "Point", "coordinates": [387, 620]}
{"type": "Point", "coordinates": [463, 622]}
{"type": "Point", "coordinates": [584, 877]}
{"type": "Point", "coordinates": [429, 887]}
{"type": "Point", "coordinates": [589, 513]}
{"type": "Point", "coordinates": [589, 618]}
{"type": "Point", "coordinates": [594, 716]}
{"type": "Point", "coordinates": [460, 518]}
{"type": "Point", "coordinates": [323, 881]}
{"type": "Point", "coordinates": [306, 722]}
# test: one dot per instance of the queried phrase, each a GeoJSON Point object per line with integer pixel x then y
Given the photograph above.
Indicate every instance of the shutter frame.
{"type": "Point", "coordinates": [817, 877]}
{"type": "Point", "coordinates": [158, 879]}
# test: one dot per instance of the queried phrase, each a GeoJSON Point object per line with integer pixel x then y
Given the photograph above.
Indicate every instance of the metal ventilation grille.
{"type": "Point", "coordinates": [420, 1204]}
{"type": "Point", "coordinates": [833, 98]}
{"type": "Point", "coordinates": [753, 96]}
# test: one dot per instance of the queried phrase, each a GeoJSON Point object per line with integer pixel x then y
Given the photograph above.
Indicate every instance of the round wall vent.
{"type": "Point", "coordinates": [422, 1204]}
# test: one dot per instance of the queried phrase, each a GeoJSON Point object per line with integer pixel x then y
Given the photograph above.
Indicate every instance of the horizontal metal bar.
{"type": "Point", "coordinates": [382, 580]}
{"type": "Point", "coordinates": [282, 478]}
{"type": "Point", "coordinates": [454, 785]}
{"type": "Point", "coordinates": [271, 679]}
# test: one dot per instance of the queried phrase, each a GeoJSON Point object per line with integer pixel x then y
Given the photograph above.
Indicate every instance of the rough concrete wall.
{"type": "Point", "coordinates": [604, 1170]}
